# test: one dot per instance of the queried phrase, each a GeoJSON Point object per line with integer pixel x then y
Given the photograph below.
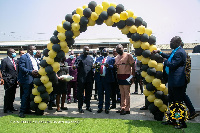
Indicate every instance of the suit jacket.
{"type": "Point", "coordinates": [109, 71]}
{"type": "Point", "coordinates": [85, 68]}
{"type": "Point", "coordinates": [176, 77]}
{"type": "Point", "coordinates": [9, 73]}
{"type": "Point", "coordinates": [25, 69]}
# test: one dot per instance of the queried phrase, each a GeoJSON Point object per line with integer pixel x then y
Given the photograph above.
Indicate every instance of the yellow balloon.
{"type": "Point", "coordinates": [149, 78]}
{"type": "Point", "coordinates": [145, 60]}
{"type": "Point", "coordinates": [131, 41]}
{"type": "Point", "coordinates": [109, 21]}
{"type": "Point", "coordinates": [113, 4]}
{"type": "Point", "coordinates": [158, 102]}
{"type": "Point", "coordinates": [165, 91]}
{"type": "Point", "coordinates": [35, 92]}
{"type": "Point", "coordinates": [152, 63]}
{"type": "Point", "coordinates": [159, 67]}
{"type": "Point", "coordinates": [116, 17]}
{"type": "Point", "coordinates": [139, 58]}
{"type": "Point", "coordinates": [56, 66]}
{"type": "Point", "coordinates": [49, 46]}
{"type": "Point", "coordinates": [134, 16]}
{"type": "Point", "coordinates": [148, 31]}
{"type": "Point", "coordinates": [163, 108]}
{"type": "Point", "coordinates": [76, 18]}
{"type": "Point", "coordinates": [162, 87]}
{"type": "Point", "coordinates": [91, 22]}
{"type": "Point", "coordinates": [152, 48]}
{"type": "Point", "coordinates": [85, 6]}
{"type": "Point", "coordinates": [49, 60]}
{"type": "Point", "coordinates": [52, 54]}
{"type": "Point", "coordinates": [94, 16]}
{"type": "Point", "coordinates": [44, 79]}
{"type": "Point", "coordinates": [99, 9]}
{"type": "Point", "coordinates": [42, 71]}
{"type": "Point", "coordinates": [141, 29]}
{"type": "Point", "coordinates": [48, 84]}
{"type": "Point", "coordinates": [49, 90]}
{"type": "Point", "coordinates": [76, 33]}
{"type": "Point", "coordinates": [125, 30]}
{"type": "Point", "coordinates": [79, 11]}
{"type": "Point", "coordinates": [63, 44]}
{"type": "Point", "coordinates": [105, 5]}
{"type": "Point", "coordinates": [66, 50]}
{"type": "Point", "coordinates": [133, 29]}
{"type": "Point", "coordinates": [75, 26]}
{"type": "Point", "coordinates": [137, 44]}
{"type": "Point", "coordinates": [156, 82]}
{"type": "Point", "coordinates": [37, 99]}
{"type": "Point", "coordinates": [145, 45]}
{"type": "Point", "coordinates": [60, 28]}
{"type": "Point", "coordinates": [123, 15]}
{"type": "Point", "coordinates": [35, 85]}
{"type": "Point", "coordinates": [151, 98]}
{"type": "Point", "coordinates": [130, 13]}
{"type": "Point", "coordinates": [61, 36]}
{"type": "Point", "coordinates": [143, 74]}
{"type": "Point", "coordinates": [147, 93]}
{"type": "Point", "coordinates": [42, 106]}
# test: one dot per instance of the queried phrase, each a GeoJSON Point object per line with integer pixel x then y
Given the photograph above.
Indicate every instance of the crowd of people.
{"type": "Point", "coordinates": [111, 76]}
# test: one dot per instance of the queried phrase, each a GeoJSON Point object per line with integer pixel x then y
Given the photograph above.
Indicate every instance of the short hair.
{"type": "Point", "coordinates": [21, 49]}
{"type": "Point", "coordinates": [29, 46]}
{"type": "Point", "coordinates": [177, 40]}
{"type": "Point", "coordinates": [119, 45]}
{"type": "Point", "coordinates": [8, 51]}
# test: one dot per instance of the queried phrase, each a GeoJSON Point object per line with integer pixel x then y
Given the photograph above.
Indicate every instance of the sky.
{"type": "Point", "coordinates": [37, 19]}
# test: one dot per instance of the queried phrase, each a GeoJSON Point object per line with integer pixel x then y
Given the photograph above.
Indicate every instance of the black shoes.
{"type": "Point", "coordinates": [144, 108]}
{"type": "Point", "coordinates": [75, 100]}
{"type": "Point", "coordinates": [112, 107]}
{"type": "Point", "coordinates": [28, 112]}
{"type": "Point", "coordinates": [107, 111]}
{"type": "Point", "coordinates": [123, 112]}
{"type": "Point", "coordinates": [127, 112]}
{"type": "Point", "coordinates": [8, 111]}
{"type": "Point", "coordinates": [14, 109]}
{"type": "Point", "coordinates": [118, 111]}
{"type": "Point", "coordinates": [80, 110]}
{"type": "Point", "coordinates": [99, 110]}
{"type": "Point", "coordinates": [50, 108]}
{"type": "Point", "coordinates": [192, 116]}
{"type": "Point", "coordinates": [21, 115]}
{"type": "Point", "coordinates": [89, 109]}
{"type": "Point", "coordinates": [64, 108]}
{"type": "Point", "coordinates": [58, 110]}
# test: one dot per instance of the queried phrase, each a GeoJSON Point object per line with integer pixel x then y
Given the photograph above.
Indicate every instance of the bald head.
{"type": "Point", "coordinates": [85, 50]}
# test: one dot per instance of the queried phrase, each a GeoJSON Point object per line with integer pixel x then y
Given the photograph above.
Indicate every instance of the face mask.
{"type": "Point", "coordinates": [34, 52]}
{"type": "Point", "coordinates": [71, 56]}
{"type": "Point", "coordinates": [13, 55]}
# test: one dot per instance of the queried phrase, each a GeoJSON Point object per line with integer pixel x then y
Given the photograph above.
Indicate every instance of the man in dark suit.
{"type": "Point", "coordinates": [84, 64]}
{"type": "Point", "coordinates": [103, 77]}
{"type": "Point", "coordinates": [9, 74]}
{"type": "Point", "coordinates": [28, 69]}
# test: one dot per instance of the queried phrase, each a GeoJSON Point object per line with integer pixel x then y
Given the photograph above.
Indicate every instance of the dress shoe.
{"type": "Point", "coordinates": [75, 100]}
{"type": "Point", "coordinates": [58, 110]}
{"type": "Point", "coordinates": [107, 111]}
{"type": "Point", "coordinates": [64, 108]}
{"type": "Point", "coordinates": [14, 109]}
{"type": "Point", "coordinates": [8, 112]}
{"type": "Point", "coordinates": [99, 110]}
{"type": "Point", "coordinates": [112, 107]}
{"type": "Point", "coordinates": [180, 126]}
{"type": "Point", "coordinates": [80, 110]}
{"type": "Point", "coordinates": [144, 108]}
{"type": "Point", "coordinates": [89, 109]}
{"type": "Point", "coordinates": [21, 115]}
{"type": "Point", "coordinates": [123, 112]}
{"type": "Point", "coordinates": [68, 102]}
{"type": "Point", "coordinates": [127, 112]}
{"type": "Point", "coordinates": [192, 115]}
{"type": "Point", "coordinates": [118, 111]}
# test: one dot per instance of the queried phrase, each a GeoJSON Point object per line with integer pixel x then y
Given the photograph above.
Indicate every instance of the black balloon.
{"type": "Point", "coordinates": [150, 87]}
{"type": "Point", "coordinates": [130, 21]}
{"type": "Point", "coordinates": [99, 21]}
{"type": "Point", "coordinates": [159, 75]}
{"type": "Point", "coordinates": [68, 18]}
{"type": "Point", "coordinates": [146, 53]}
{"type": "Point", "coordinates": [54, 39]}
{"type": "Point", "coordinates": [144, 37]}
{"type": "Point", "coordinates": [144, 24]}
{"type": "Point", "coordinates": [160, 59]}
{"type": "Point", "coordinates": [165, 99]}
{"type": "Point", "coordinates": [55, 33]}
{"type": "Point", "coordinates": [135, 37]}
{"type": "Point", "coordinates": [87, 12]}
{"type": "Point", "coordinates": [159, 94]}
{"type": "Point", "coordinates": [114, 25]}
{"type": "Point", "coordinates": [43, 63]}
{"type": "Point", "coordinates": [45, 52]}
{"type": "Point", "coordinates": [158, 115]}
{"type": "Point", "coordinates": [121, 24]}
{"type": "Point", "coordinates": [56, 47]}
{"type": "Point", "coordinates": [51, 75]}
{"type": "Point", "coordinates": [61, 54]}
{"type": "Point", "coordinates": [41, 89]}
{"type": "Point", "coordinates": [119, 8]}
{"type": "Point", "coordinates": [69, 34]}
{"type": "Point", "coordinates": [83, 28]}
{"type": "Point", "coordinates": [138, 21]}
{"type": "Point", "coordinates": [32, 97]}
{"type": "Point", "coordinates": [55, 80]}
{"type": "Point", "coordinates": [67, 25]}
{"type": "Point", "coordinates": [39, 112]}
{"type": "Point", "coordinates": [92, 5]}
{"type": "Point", "coordinates": [151, 71]}
{"type": "Point", "coordinates": [45, 97]}
{"type": "Point", "coordinates": [84, 21]}
{"type": "Point", "coordinates": [129, 35]}
{"type": "Point", "coordinates": [74, 12]}
{"type": "Point", "coordinates": [56, 59]}
{"type": "Point", "coordinates": [104, 15]}
{"type": "Point", "coordinates": [144, 67]}
{"type": "Point", "coordinates": [49, 69]}
{"type": "Point", "coordinates": [138, 51]}
{"type": "Point", "coordinates": [145, 82]}
{"type": "Point", "coordinates": [111, 10]}
{"type": "Point", "coordinates": [152, 39]}
{"type": "Point", "coordinates": [152, 108]}
{"type": "Point", "coordinates": [147, 103]}
{"type": "Point", "coordinates": [33, 105]}
{"type": "Point", "coordinates": [37, 81]}
{"type": "Point", "coordinates": [70, 42]}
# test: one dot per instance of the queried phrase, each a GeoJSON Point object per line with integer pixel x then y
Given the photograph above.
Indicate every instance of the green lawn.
{"type": "Point", "coordinates": [53, 124]}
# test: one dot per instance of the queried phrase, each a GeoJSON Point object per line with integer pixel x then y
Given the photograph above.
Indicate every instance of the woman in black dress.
{"type": "Point", "coordinates": [61, 87]}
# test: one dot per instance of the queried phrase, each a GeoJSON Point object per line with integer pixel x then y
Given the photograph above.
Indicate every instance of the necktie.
{"type": "Point", "coordinates": [14, 64]}
{"type": "Point", "coordinates": [101, 70]}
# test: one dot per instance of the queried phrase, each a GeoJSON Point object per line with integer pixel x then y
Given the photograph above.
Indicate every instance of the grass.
{"type": "Point", "coordinates": [55, 124]}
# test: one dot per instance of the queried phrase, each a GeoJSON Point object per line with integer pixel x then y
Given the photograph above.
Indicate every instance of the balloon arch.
{"type": "Point", "coordinates": [112, 15]}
